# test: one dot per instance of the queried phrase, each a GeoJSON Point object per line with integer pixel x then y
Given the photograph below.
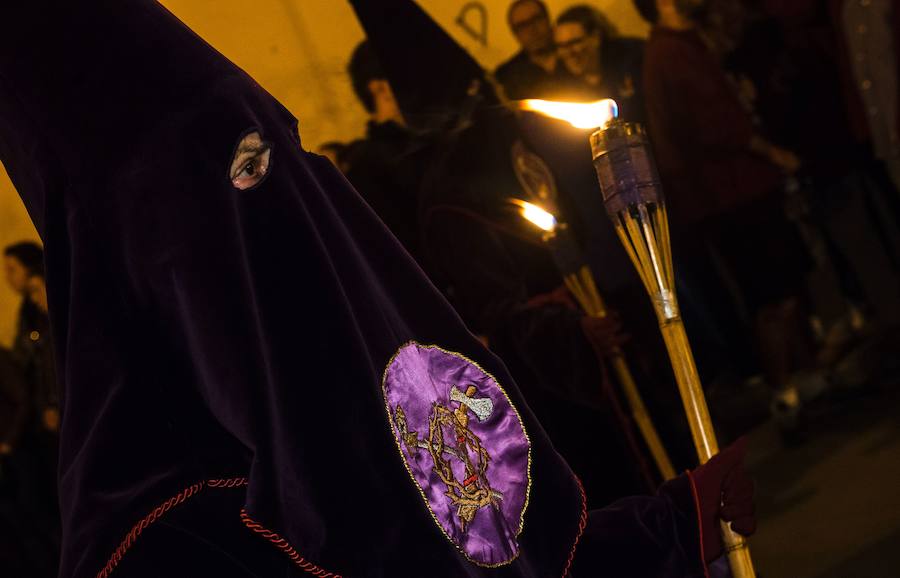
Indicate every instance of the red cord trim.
{"type": "Point", "coordinates": [582, 523]}
{"type": "Point", "coordinates": [696, 496]}
{"type": "Point", "coordinates": [283, 545]}
{"type": "Point", "coordinates": [158, 513]}
{"type": "Point", "coordinates": [229, 483]}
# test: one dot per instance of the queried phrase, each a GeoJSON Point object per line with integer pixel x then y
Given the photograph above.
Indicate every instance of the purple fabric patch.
{"type": "Point", "coordinates": [465, 447]}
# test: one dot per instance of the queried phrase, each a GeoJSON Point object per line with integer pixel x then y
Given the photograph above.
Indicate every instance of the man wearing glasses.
{"type": "Point", "coordinates": [535, 71]}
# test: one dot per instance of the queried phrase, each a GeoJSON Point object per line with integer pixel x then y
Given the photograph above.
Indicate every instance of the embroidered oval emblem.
{"type": "Point", "coordinates": [465, 447]}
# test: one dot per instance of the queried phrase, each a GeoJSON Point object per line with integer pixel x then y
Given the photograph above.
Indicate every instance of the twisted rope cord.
{"type": "Point", "coordinates": [284, 546]}
{"type": "Point", "coordinates": [267, 534]}
{"type": "Point", "coordinates": [158, 513]}
{"type": "Point", "coordinates": [227, 483]}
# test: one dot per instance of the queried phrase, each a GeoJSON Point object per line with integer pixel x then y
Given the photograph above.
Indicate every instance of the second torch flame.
{"type": "Point", "coordinates": [536, 215]}
{"type": "Point", "coordinates": [586, 115]}
{"type": "Point", "coordinates": [580, 282]}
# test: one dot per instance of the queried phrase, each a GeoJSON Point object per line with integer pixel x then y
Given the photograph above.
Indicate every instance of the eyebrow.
{"type": "Point", "coordinates": [250, 148]}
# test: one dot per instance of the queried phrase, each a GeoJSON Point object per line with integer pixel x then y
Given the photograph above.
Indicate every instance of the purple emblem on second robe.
{"type": "Point", "coordinates": [464, 446]}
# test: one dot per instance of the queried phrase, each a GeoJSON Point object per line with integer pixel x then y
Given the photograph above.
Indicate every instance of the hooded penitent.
{"type": "Point", "coordinates": [491, 261]}
{"type": "Point", "coordinates": [251, 328]}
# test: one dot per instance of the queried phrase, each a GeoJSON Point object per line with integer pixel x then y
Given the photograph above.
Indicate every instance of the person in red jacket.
{"type": "Point", "coordinates": [723, 182]}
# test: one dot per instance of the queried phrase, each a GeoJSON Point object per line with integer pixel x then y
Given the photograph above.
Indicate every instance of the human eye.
{"type": "Point", "coordinates": [250, 163]}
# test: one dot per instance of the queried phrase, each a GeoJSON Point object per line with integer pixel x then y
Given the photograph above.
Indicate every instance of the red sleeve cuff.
{"type": "Point", "coordinates": [699, 517]}
{"type": "Point", "coordinates": [682, 493]}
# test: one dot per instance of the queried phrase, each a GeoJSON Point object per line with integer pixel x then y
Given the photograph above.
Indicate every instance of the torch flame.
{"type": "Point", "coordinates": [578, 114]}
{"type": "Point", "coordinates": [536, 215]}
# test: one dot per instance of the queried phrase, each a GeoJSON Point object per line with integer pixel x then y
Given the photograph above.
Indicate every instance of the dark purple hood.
{"type": "Point", "coordinates": [204, 332]}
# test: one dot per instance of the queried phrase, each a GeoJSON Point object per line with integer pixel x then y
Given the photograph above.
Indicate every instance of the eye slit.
{"type": "Point", "coordinates": [250, 162]}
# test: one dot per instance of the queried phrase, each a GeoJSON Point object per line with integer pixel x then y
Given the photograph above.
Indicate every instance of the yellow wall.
{"type": "Point", "coordinates": [298, 49]}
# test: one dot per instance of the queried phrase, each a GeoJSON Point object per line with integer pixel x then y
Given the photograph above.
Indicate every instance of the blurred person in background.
{"type": "Point", "coordinates": [32, 347]}
{"type": "Point", "coordinates": [32, 440]}
{"type": "Point", "coordinates": [385, 166]}
{"type": "Point", "coordinates": [604, 64]}
{"type": "Point", "coordinates": [502, 280]}
{"type": "Point", "coordinates": [451, 185]}
{"type": "Point", "coordinates": [724, 185]}
{"type": "Point", "coordinates": [534, 71]}
{"type": "Point", "coordinates": [788, 55]}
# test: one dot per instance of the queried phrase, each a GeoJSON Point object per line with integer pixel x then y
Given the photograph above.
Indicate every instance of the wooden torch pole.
{"type": "Point", "coordinates": [634, 201]}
